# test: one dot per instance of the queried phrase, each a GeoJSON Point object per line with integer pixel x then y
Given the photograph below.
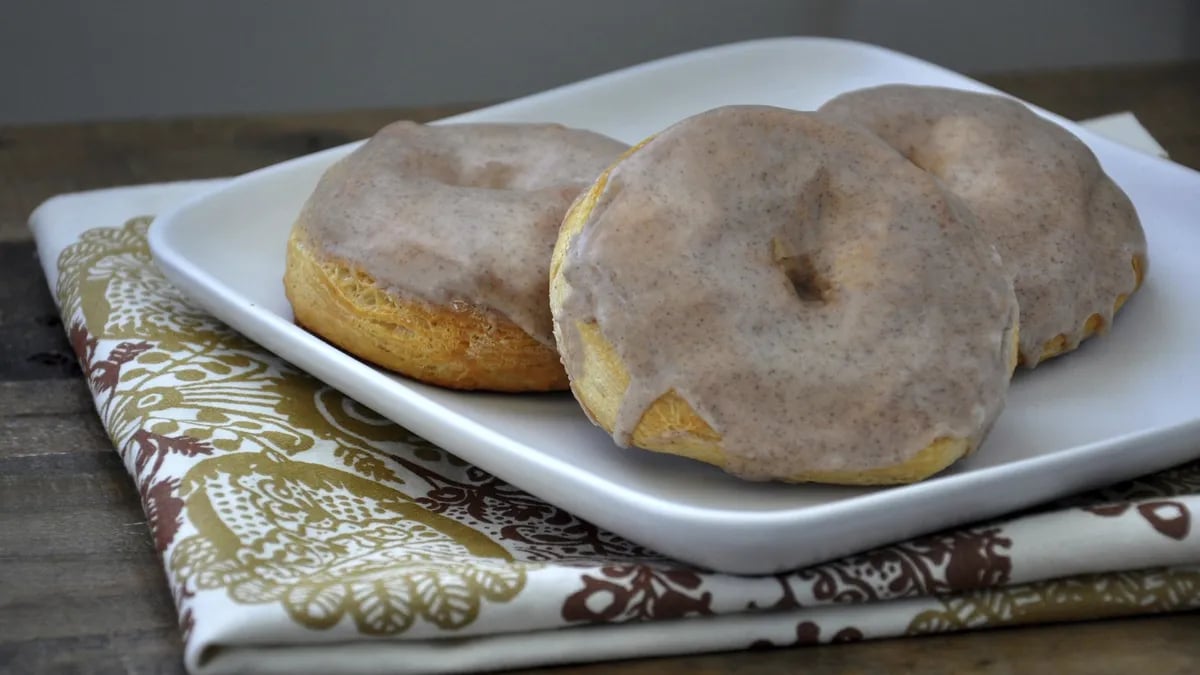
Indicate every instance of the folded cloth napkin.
{"type": "Point", "coordinates": [301, 532]}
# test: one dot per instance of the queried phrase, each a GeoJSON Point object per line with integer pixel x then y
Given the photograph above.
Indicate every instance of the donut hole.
{"type": "Point", "coordinates": [454, 172]}
{"type": "Point", "coordinates": [489, 175]}
{"type": "Point", "coordinates": [450, 171]}
{"type": "Point", "coordinates": [803, 274]}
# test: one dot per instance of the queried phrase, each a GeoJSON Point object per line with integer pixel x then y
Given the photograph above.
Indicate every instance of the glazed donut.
{"type": "Point", "coordinates": [785, 297]}
{"type": "Point", "coordinates": [426, 250]}
{"type": "Point", "coordinates": [1068, 235]}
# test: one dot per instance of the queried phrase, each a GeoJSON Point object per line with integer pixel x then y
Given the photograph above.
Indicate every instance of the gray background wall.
{"type": "Point", "coordinates": [64, 60]}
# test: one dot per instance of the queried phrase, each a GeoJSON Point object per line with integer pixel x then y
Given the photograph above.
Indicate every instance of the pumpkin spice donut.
{"type": "Point", "coordinates": [426, 250]}
{"type": "Point", "coordinates": [785, 297]}
{"type": "Point", "coordinates": [1068, 235]}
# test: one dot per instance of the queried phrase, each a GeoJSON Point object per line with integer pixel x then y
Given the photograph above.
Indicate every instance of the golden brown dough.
{"type": "Point", "coordinates": [456, 347]}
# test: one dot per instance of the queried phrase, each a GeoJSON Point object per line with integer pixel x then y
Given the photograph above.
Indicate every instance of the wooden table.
{"type": "Point", "coordinates": [80, 587]}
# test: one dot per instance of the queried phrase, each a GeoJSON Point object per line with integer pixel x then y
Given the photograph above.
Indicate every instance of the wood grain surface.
{"type": "Point", "coordinates": [81, 589]}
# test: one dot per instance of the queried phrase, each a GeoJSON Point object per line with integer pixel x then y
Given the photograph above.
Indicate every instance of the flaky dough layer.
{"type": "Point", "coordinates": [458, 348]}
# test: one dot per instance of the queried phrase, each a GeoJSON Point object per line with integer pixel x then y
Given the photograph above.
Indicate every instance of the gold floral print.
{"type": "Point", "coordinates": [327, 544]}
{"type": "Point", "coordinates": [216, 432]}
{"type": "Point", "coordinates": [1091, 596]}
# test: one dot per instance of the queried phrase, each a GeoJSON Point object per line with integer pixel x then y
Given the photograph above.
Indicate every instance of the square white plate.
{"type": "Point", "coordinates": [1123, 405]}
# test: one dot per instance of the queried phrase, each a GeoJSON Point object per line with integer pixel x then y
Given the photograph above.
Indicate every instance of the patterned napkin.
{"type": "Point", "coordinates": [301, 532]}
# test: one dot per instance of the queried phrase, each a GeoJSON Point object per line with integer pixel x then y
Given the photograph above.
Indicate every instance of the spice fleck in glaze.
{"type": "Point", "coordinates": [458, 214]}
{"type": "Point", "coordinates": [818, 300]}
{"type": "Point", "coordinates": [1068, 235]}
